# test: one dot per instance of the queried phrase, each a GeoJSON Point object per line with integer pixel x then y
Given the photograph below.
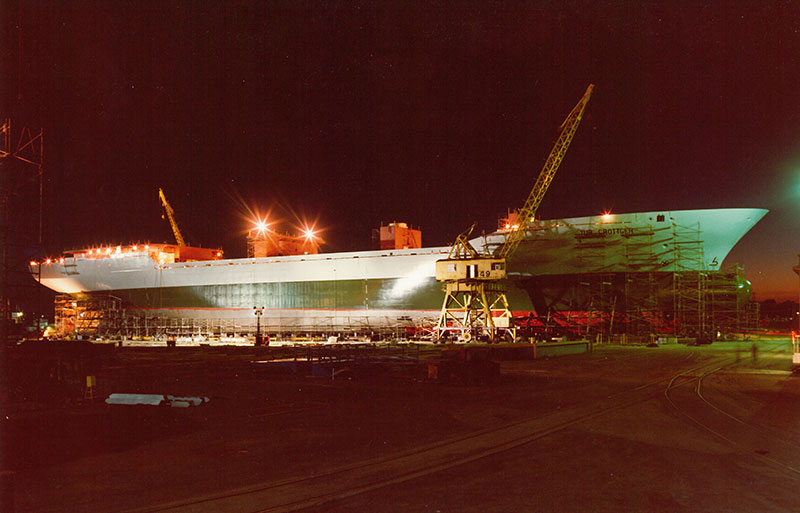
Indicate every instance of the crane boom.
{"type": "Point", "coordinates": [528, 211]}
{"type": "Point", "coordinates": [171, 216]}
{"type": "Point", "coordinates": [475, 302]}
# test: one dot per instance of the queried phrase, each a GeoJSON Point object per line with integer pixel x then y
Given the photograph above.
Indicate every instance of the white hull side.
{"type": "Point", "coordinates": [551, 247]}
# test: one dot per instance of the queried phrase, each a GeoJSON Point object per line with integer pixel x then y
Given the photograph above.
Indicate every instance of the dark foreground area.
{"type": "Point", "coordinates": [670, 428]}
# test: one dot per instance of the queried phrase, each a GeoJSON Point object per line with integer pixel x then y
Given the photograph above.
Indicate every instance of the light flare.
{"type": "Point", "coordinates": [261, 225]}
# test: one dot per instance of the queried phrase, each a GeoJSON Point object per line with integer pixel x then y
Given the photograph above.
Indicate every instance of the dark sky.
{"type": "Point", "coordinates": [434, 113]}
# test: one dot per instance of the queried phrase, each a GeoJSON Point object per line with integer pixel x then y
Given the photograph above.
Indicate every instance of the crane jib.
{"type": "Point", "coordinates": [528, 211]}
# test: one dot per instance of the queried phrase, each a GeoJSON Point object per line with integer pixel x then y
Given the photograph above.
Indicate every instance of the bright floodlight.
{"type": "Point", "coordinates": [309, 234]}
{"type": "Point", "coordinates": [261, 226]}
{"type": "Point", "coordinates": [606, 216]}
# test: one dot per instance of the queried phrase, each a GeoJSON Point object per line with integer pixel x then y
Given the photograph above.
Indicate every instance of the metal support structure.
{"type": "Point", "coordinates": [724, 308]}
{"type": "Point", "coordinates": [689, 284]}
{"type": "Point", "coordinates": [475, 310]}
{"type": "Point", "coordinates": [602, 304]}
{"type": "Point", "coordinates": [644, 319]}
{"type": "Point", "coordinates": [20, 166]}
{"type": "Point", "coordinates": [752, 315]}
{"type": "Point", "coordinates": [468, 276]}
{"type": "Point", "coordinates": [105, 316]}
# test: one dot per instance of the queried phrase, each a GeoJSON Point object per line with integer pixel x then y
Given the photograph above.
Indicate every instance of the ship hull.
{"type": "Point", "coordinates": [390, 288]}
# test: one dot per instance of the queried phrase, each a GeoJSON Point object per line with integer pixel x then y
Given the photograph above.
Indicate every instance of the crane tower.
{"type": "Point", "coordinates": [475, 302]}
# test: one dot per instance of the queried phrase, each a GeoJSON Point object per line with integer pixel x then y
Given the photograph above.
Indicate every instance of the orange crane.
{"type": "Point", "coordinates": [171, 216]}
{"type": "Point", "coordinates": [475, 302]}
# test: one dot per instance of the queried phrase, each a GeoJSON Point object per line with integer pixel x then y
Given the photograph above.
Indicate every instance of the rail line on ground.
{"type": "Point", "coordinates": [361, 477]}
{"type": "Point", "coordinates": [735, 441]}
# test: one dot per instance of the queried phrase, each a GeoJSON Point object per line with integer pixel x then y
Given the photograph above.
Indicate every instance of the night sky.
{"type": "Point", "coordinates": [439, 114]}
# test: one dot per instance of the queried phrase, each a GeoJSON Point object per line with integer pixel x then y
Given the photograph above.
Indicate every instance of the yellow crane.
{"type": "Point", "coordinates": [475, 301]}
{"type": "Point", "coordinates": [171, 216]}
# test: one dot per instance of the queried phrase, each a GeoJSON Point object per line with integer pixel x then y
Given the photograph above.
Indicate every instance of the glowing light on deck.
{"type": "Point", "coordinates": [34, 263]}
{"type": "Point", "coordinates": [309, 234]}
{"type": "Point", "coordinates": [607, 216]}
{"type": "Point", "coordinates": [261, 226]}
{"type": "Point", "coordinates": [47, 261]}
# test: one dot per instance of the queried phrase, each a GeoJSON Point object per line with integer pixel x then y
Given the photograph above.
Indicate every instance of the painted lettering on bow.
{"type": "Point", "coordinates": [603, 232]}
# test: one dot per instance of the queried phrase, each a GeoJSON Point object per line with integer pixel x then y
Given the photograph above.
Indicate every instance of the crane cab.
{"type": "Point", "coordinates": [478, 269]}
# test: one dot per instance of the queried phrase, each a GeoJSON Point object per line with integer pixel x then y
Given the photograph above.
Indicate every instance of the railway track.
{"type": "Point", "coordinates": [354, 479]}
{"type": "Point", "coordinates": [761, 441]}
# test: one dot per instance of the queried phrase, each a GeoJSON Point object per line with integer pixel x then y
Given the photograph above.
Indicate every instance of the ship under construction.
{"type": "Point", "coordinates": [637, 276]}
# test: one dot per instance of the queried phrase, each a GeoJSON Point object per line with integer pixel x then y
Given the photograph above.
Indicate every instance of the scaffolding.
{"type": "Point", "coordinates": [722, 300]}
{"type": "Point", "coordinates": [669, 292]}
{"type": "Point", "coordinates": [104, 316]}
{"type": "Point", "coordinates": [752, 315]}
{"type": "Point", "coordinates": [602, 304]}
{"type": "Point", "coordinates": [690, 282]}
{"type": "Point", "coordinates": [643, 316]}
{"type": "Point", "coordinates": [85, 316]}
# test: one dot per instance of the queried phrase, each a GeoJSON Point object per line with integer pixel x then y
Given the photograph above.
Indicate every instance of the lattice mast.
{"type": "Point", "coordinates": [28, 153]}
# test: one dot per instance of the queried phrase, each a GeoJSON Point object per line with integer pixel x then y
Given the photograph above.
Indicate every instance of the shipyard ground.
{"type": "Point", "coordinates": [669, 428]}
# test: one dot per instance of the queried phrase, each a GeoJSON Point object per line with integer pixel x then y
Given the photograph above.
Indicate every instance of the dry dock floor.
{"type": "Point", "coordinates": [671, 428]}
